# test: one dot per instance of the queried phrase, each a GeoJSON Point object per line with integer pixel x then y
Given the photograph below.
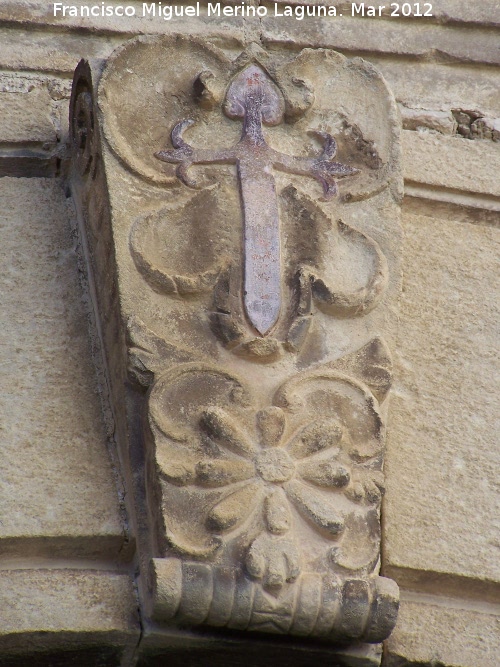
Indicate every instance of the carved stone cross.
{"type": "Point", "coordinates": [261, 501]}
{"type": "Point", "coordinates": [255, 98]}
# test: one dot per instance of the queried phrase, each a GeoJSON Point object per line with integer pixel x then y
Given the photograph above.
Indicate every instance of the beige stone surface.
{"type": "Point", "coordinates": [442, 86]}
{"type": "Point", "coordinates": [35, 107]}
{"type": "Point", "coordinates": [26, 116]}
{"type": "Point", "coordinates": [424, 40]}
{"type": "Point", "coordinates": [441, 506]}
{"type": "Point", "coordinates": [487, 13]}
{"type": "Point", "coordinates": [440, 121]}
{"type": "Point", "coordinates": [56, 477]}
{"type": "Point", "coordinates": [64, 609]}
{"type": "Point", "coordinates": [452, 162]}
{"type": "Point", "coordinates": [432, 631]}
{"type": "Point", "coordinates": [50, 52]}
{"type": "Point", "coordinates": [39, 13]}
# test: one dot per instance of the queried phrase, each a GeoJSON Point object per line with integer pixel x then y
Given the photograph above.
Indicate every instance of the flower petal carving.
{"type": "Point", "coordinates": [377, 477]}
{"type": "Point", "coordinates": [314, 437]}
{"type": "Point", "coordinates": [184, 547]}
{"type": "Point", "coordinates": [315, 507]}
{"type": "Point", "coordinates": [234, 508]}
{"type": "Point", "coordinates": [277, 512]}
{"type": "Point", "coordinates": [373, 494]}
{"type": "Point", "coordinates": [221, 472]}
{"type": "Point", "coordinates": [274, 560]}
{"type": "Point", "coordinates": [275, 468]}
{"type": "Point", "coordinates": [324, 472]}
{"type": "Point", "coordinates": [180, 472]}
{"type": "Point", "coordinates": [356, 492]}
{"type": "Point", "coordinates": [219, 425]}
{"type": "Point", "coordinates": [271, 423]}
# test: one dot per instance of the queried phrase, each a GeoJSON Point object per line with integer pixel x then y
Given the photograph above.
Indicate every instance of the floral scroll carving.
{"type": "Point", "coordinates": [325, 468]}
{"type": "Point", "coordinates": [257, 479]}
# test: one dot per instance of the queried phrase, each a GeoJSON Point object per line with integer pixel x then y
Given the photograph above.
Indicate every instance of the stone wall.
{"type": "Point", "coordinates": [67, 536]}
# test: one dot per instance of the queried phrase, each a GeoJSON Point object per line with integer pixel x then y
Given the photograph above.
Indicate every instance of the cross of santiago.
{"type": "Point", "coordinates": [254, 97]}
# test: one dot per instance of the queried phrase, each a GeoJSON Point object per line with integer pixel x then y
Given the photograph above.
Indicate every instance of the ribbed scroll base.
{"type": "Point", "coordinates": [192, 593]}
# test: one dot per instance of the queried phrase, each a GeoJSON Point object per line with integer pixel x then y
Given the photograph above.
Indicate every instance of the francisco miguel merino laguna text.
{"type": "Point", "coordinates": [169, 12]}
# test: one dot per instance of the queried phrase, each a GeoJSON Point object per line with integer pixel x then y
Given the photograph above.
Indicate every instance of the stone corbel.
{"type": "Point", "coordinates": [241, 220]}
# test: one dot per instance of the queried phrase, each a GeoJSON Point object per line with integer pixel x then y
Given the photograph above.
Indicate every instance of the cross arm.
{"type": "Point", "coordinates": [185, 155]}
{"type": "Point", "coordinates": [321, 167]}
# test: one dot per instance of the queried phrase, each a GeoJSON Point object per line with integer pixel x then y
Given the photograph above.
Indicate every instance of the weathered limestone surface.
{"type": "Point", "coordinates": [380, 36]}
{"type": "Point", "coordinates": [443, 631]}
{"type": "Point", "coordinates": [65, 610]}
{"type": "Point", "coordinates": [56, 479]}
{"type": "Point", "coordinates": [35, 111]}
{"type": "Point", "coordinates": [423, 39]}
{"type": "Point", "coordinates": [26, 116]}
{"type": "Point", "coordinates": [442, 503]}
{"type": "Point", "coordinates": [50, 52]}
{"type": "Point", "coordinates": [445, 86]}
{"type": "Point", "coordinates": [418, 119]}
{"type": "Point", "coordinates": [487, 13]}
{"type": "Point", "coordinates": [452, 162]}
{"type": "Point", "coordinates": [425, 85]}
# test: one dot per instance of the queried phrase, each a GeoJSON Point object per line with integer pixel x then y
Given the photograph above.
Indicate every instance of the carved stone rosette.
{"type": "Point", "coordinates": [241, 217]}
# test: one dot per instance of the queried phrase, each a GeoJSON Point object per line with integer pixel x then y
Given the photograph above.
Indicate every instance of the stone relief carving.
{"type": "Point", "coordinates": [287, 458]}
{"type": "Point", "coordinates": [253, 96]}
{"type": "Point", "coordinates": [264, 482]}
{"type": "Point", "coordinates": [251, 482]}
{"type": "Point", "coordinates": [195, 593]}
{"type": "Point", "coordinates": [307, 286]}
